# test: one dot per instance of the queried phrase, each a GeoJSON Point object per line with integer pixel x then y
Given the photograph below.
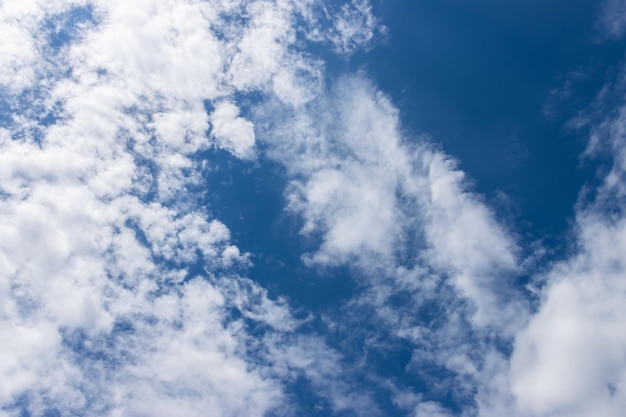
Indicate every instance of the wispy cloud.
{"type": "Point", "coordinates": [400, 212]}
{"type": "Point", "coordinates": [122, 294]}
{"type": "Point", "coordinates": [612, 19]}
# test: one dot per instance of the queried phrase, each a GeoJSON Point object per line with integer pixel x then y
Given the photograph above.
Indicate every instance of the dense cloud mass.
{"type": "Point", "coordinates": [122, 293]}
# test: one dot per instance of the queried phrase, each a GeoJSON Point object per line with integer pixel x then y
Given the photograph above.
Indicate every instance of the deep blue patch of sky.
{"type": "Point", "coordinates": [62, 28]}
{"type": "Point", "coordinates": [249, 198]}
{"type": "Point", "coordinates": [477, 77]}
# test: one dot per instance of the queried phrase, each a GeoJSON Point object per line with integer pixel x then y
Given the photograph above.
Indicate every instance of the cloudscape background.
{"type": "Point", "coordinates": [312, 208]}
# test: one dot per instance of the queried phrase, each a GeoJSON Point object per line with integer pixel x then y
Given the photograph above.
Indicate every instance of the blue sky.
{"type": "Point", "coordinates": [307, 208]}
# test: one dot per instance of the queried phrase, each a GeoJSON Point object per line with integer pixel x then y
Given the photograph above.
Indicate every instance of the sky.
{"type": "Point", "coordinates": [312, 208]}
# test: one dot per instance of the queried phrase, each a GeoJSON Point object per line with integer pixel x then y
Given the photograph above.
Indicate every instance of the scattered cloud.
{"type": "Point", "coordinates": [122, 294]}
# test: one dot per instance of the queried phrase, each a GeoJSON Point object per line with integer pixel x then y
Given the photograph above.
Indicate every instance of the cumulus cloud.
{"type": "Point", "coordinates": [101, 227]}
{"type": "Point", "coordinates": [121, 294]}
{"type": "Point", "coordinates": [233, 133]}
{"type": "Point", "coordinates": [569, 361]}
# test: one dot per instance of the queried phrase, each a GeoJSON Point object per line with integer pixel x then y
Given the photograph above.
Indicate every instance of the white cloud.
{"type": "Point", "coordinates": [468, 242]}
{"type": "Point", "coordinates": [404, 216]}
{"type": "Point", "coordinates": [369, 193]}
{"type": "Point", "coordinates": [300, 84]}
{"type": "Point", "coordinates": [100, 230]}
{"type": "Point", "coordinates": [430, 409]}
{"type": "Point", "coordinates": [570, 359]}
{"type": "Point", "coordinates": [323, 368]}
{"type": "Point", "coordinates": [233, 133]}
{"type": "Point", "coordinates": [355, 27]}
{"type": "Point", "coordinates": [192, 361]}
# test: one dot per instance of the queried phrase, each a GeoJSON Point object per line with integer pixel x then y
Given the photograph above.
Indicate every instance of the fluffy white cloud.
{"type": "Point", "coordinates": [101, 313]}
{"type": "Point", "coordinates": [103, 309]}
{"type": "Point", "coordinates": [570, 361]}
{"type": "Point", "coordinates": [372, 195]}
{"type": "Point", "coordinates": [233, 133]}
{"type": "Point", "coordinates": [402, 214]}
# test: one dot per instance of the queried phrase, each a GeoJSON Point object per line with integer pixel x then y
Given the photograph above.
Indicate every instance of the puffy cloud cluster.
{"type": "Point", "coordinates": [122, 295]}
{"type": "Point", "coordinates": [570, 360]}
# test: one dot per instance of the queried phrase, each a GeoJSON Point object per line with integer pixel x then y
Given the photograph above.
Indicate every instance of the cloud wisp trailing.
{"type": "Point", "coordinates": [122, 294]}
{"type": "Point", "coordinates": [404, 217]}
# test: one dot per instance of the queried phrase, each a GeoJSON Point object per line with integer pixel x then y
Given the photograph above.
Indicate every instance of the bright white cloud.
{"type": "Point", "coordinates": [99, 229]}
{"type": "Point", "coordinates": [368, 192]}
{"type": "Point", "coordinates": [570, 361]}
{"type": "Point", "coordinates": [233, 133]}
{"type": "Point", "coordinates": [372, 195]}
{"type": "Point", "coordinates": [355, 27]}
